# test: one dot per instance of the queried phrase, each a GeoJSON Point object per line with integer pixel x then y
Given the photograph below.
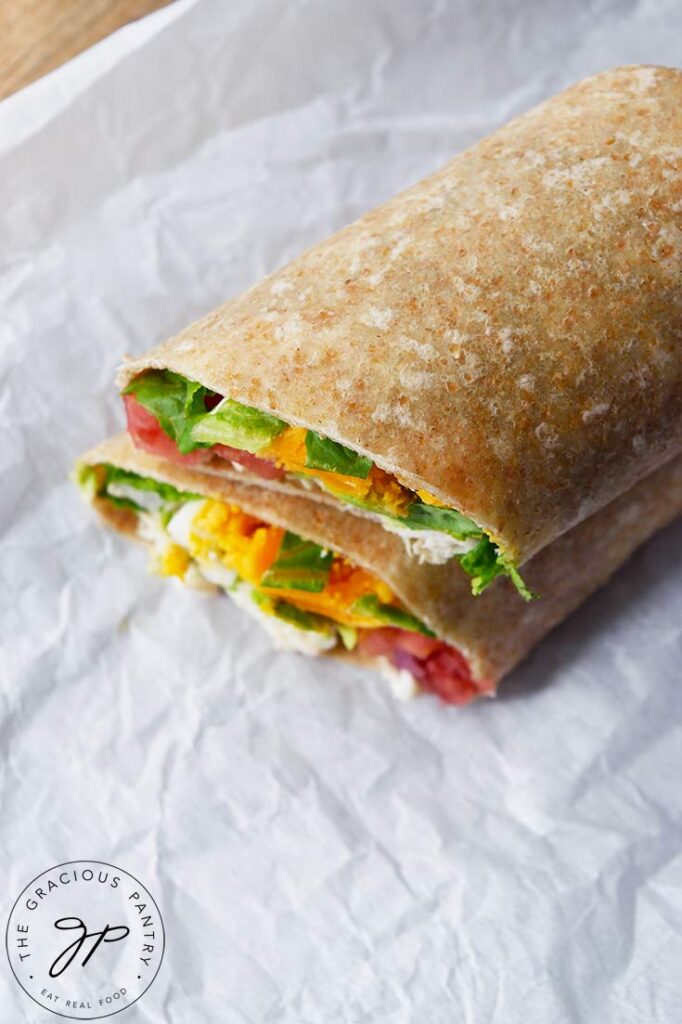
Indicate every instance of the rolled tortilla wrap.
{"type": "Point", "coordinates": [505, 335]}
{"type": "Point", "coordinates": [492, 633]}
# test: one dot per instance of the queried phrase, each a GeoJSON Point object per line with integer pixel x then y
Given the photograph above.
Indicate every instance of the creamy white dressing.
{"type": "Point", "coordinates": [153, 532]}
{"type": "Point", "coordinates": [150, 501]}
{"type": "Point", "coordinates": [216, 572]}
{"type": "Point", "coordinates": [284, 635]}
{"type": "Point", "coordinates": [430, 546]}
{"type": "Point", "coordinates": [403, 684]}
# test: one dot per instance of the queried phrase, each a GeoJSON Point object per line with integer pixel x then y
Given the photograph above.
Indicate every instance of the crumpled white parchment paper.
{"type": "Point", "coordinates": [320, 853]}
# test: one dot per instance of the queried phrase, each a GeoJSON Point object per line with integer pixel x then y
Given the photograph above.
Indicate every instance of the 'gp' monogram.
{"type": "Point", "coordinates": [108, 934]}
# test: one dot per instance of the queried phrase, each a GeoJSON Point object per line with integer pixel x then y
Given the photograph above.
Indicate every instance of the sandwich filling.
{"type": "Point", "coordinates": [181, 420]}
{"type": "Point", "coordinates": [309, 598]}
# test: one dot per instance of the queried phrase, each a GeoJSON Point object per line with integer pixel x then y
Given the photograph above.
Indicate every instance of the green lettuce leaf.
{"type": "Point", "coordinates": [303, 620]}
{"type": "Point", "coordinates": [177, 403]}
{"type": "Point", "coordinates": [348, 634]}
{"type": "Point", "coordinates": [482, 564]}
{"type": "Point", "coordinates": [370, 605]}
{"type": "Point", "coordinates": [515, 576]}
{"type": "Point", "coordinates": [86, 479]}
{"type": "Point", "coordinates": [300, 565]}
{"type": "Point", "coordinates": [95, 481]}
{"type": "Point", "coordinates": [332, 457]}
{"type": "Point", "coordinates": [238, 426]}
{"type": "Point", "coordinates": [168, 493]}
{"type": "Point", "coordinates": [421, 516]}
{"type": "Point", "coordinates": [485, 562]}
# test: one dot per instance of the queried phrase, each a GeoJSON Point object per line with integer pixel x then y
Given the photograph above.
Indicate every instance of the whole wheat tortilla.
{"type": "Point", "coordinates": [506, 334]}
{"type": "Point", "coordinates": [494, 631]}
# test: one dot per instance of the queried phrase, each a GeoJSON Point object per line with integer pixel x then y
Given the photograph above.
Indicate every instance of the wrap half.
{"type": "Point", "coordinates": [325, 582]}
{"type": "Point", "coordinates": [480, 363]}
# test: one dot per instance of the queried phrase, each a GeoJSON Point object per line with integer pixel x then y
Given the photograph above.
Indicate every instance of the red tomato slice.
{"type": "Point", "coordinates": [448, 676]}
{"type": "Point", "coordinates": [438, 667]}
{"type": "Point", "coordinates": [261, 467]}
{"type": "Point", "coordinates": [149, 435]}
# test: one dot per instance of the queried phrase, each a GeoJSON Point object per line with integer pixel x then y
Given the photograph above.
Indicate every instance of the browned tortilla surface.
{"type": "Point", "coordinates": [494, 631]}
{"type": "Point", "coordinates": [507, 333]}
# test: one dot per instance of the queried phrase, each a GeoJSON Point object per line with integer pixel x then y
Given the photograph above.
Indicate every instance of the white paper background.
{"type": "Point", "coordinates": [319, 852]}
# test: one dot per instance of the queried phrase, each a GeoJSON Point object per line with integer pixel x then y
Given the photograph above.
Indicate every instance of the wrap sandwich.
{"type": "Point", "coordinates": [321, 581]}
{"type": "Point", "coordinates": [479, 364]}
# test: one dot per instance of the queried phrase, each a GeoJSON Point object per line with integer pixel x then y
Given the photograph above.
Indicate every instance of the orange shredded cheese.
{"type": "Point", "coordinates": [249, 547]}
{"type": "Point", "coordinates": [379, 488]}
{"type": "Point", "coordinates": [289, 451]}
{"type": "Point", "coordinates": [243, 542]}
{"type": "Point", "coordinates": [431, 499]}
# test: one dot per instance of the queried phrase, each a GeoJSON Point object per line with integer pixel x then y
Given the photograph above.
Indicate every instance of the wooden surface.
{"type": "Point", "coordinates": [39, 35]}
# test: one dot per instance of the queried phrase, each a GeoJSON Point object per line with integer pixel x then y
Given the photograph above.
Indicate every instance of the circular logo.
{"type": "Point", "coordinates": [85, 939]}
